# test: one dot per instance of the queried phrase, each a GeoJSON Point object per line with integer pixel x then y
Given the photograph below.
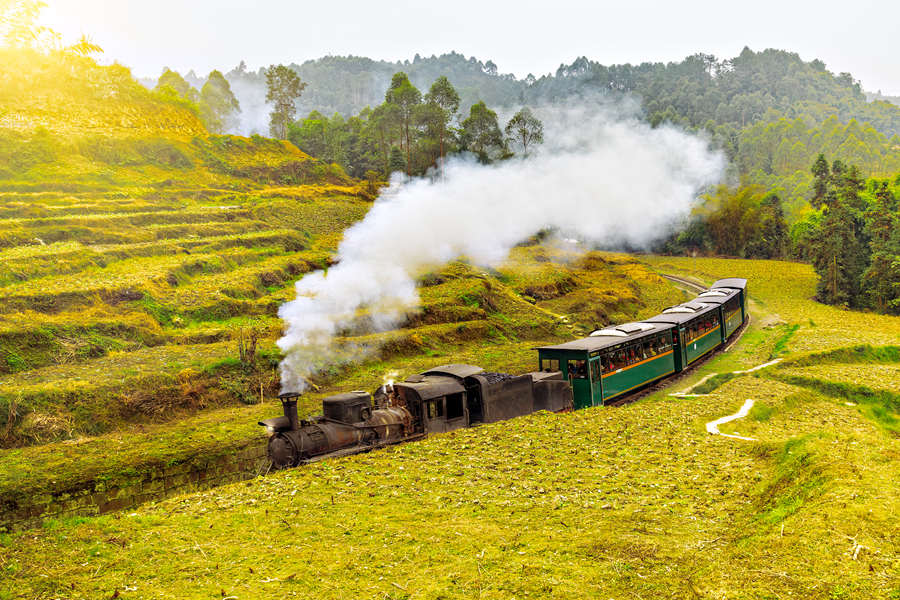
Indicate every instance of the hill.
{"type": "Point", "coordinates": [770, 112]}
{"type": "Point", "coordinates": [581, 504]}
{"type": "Point", "coordinates": [67, 123]}
{"type": "Point", "coordinates": [142, 268]}
{"type": "Point", "coordinates": [701, 91]}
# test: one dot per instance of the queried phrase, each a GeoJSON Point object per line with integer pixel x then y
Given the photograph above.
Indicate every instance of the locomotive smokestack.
{"type": "Point", "coordinates": [289, 403]}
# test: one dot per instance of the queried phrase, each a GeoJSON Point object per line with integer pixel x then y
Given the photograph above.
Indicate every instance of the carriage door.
{"type": "Point", "coordinates": [596, 387]}
{"type": "Point", "coordinates": [581, 382]}
{"type": "Point", "coordinates": [681, 340]}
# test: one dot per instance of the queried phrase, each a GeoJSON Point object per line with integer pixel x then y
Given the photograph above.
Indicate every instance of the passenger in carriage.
{"type": "Point", "coordinates": [581, 370]}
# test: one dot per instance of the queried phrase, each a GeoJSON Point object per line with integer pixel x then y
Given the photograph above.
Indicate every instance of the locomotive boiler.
{"type": "Point", "coordinates": [442, 399]}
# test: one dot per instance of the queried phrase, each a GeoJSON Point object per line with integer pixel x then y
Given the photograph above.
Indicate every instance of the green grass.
{"type": "Point", "coordinates": [712, 383]}
{"type": "Point", "coordinates": [182, 238]}
{"type": "Point", "coordinates": [614, 502]}
{"type": "Point", "coordinates": [782, 341]}
{"type": "Point", "coordinates": [882, 406]}
{"type": "Point", "coordinates": [796, 480]}
{"type": "Point", "coordinates": [584, 504]}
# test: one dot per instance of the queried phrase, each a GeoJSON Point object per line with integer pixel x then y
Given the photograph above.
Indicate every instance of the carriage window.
{"type": "Point", "coordinates": [595, 370]}
{"type": "Point", "coordinates": [619, 359]}
{"type": "Point", "coordinates": [455, 406]}
{"type": "Point", "coordinates": [605, 363]}
{"type": "Point", "coordinates": [436, 408]}
{"type": "Point", "coordinates": [578, 369]}
{"type": "Point", "coordinates": [550, 364]}
{"type": "Point", "coordinates": [649, 349]}
{"type": "Point", "coordinates": [665, 342]}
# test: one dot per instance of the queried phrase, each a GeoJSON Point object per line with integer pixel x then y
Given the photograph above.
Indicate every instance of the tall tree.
{"type": "Point", "coordinates": [385, 123]}
{"type": "Point", "coordinates": [217, 103]}
{"type": "Point", "coordinates": [881, 280]}
{"type": "Point", "coordinates": [822, 175]}
{"type": "Point", "coordinates": [396, 162]}
{"type": "Point", "coordinates": [406, 97]}
{"type": "Point", "coordinates": [283, 88]}
{"type": "Point", "coordinates": [444, 102]}
{"type": "Point", "coordinates": [839, 250]}
{"type": "Point", "coordinates": [525, 129]}
{"type": "Point", "coordinates": [481, 132]}
{"type": "Point", "coordinates": [175, 82]}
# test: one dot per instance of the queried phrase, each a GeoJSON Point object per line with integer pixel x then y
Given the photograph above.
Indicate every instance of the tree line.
{"type": "Point", "coordinates": [413, 132]}
{"type": "Point", "coordinates": [828, 215]}
{"type": "Point", "coordinates": [850, 233]}
{"type": "Point", "coordinates": [701, 91]}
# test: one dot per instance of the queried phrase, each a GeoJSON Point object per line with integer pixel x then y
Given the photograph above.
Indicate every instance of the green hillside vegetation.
{"type": "Point", "coordinates": [135, 261]}
{"type": "Point", "coordinates": [67, 124]}
{"type": "Point", "coordinates": [143, 260]}
{"type": "Point", "coordinates": [729, 92]}
{"type": "Point", "coordinates": [586, 503]}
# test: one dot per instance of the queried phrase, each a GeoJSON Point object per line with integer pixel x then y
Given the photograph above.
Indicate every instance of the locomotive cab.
{"type": "Point", "coordinates": [352, 407]}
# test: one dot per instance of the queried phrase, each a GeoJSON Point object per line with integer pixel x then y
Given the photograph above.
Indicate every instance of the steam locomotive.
{"type": "Point", "coordinates": [442, 399]}
{"type": "Point", "coordinates": [599, 369]}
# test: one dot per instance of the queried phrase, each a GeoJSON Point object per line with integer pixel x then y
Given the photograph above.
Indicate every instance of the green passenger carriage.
{"type": "Point", "coordinates": [618, 359]}
{"type": "Point", "coordinates": [612, 361]}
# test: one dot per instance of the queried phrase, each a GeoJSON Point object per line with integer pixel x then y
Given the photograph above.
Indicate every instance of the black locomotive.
{"type": "Point", "coordinates": [442, 399]}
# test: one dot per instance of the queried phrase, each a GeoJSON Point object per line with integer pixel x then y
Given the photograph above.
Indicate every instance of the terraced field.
{"type": "Point", "coordinates": [637, 501]}
{"type": "Point", "coordinates": [85, 322]}
{"type": "Point", "coordinates": [142, 263]}
{"type": "Point", "coordinates": [122, 313]}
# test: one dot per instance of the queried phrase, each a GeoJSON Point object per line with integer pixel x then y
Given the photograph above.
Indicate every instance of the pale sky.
{"type": "Point", "coordinates": [520, 36]}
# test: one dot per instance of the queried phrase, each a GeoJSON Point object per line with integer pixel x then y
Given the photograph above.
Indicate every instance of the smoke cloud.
{"type": "Point", "coordinates": [603, 177]}
{"type": "Point", "coordinates": [254, 115]}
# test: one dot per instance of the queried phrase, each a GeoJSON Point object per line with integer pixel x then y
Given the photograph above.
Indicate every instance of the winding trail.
{"type": "Point", "coordinates": [713, 426]}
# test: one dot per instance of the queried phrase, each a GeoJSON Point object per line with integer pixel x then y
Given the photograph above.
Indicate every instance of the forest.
{"type": "Point", "coordinates": [772, 114]}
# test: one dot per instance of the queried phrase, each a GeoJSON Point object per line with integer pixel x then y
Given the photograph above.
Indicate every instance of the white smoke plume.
{"type": "Point", "coordinates": [603, 176]}
{"type": "Point", "coordinates": [254, 115]}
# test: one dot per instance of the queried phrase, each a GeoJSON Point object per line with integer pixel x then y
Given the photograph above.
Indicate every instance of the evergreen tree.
{"type": "Point", "coordinates": [172, 82]}
{"type": "Point", "coordinates": [822, 174]}
{"type": "Point", "coordinates": [406, 98]}
{"type": "Point", "coordinates": [443, 101]}
{"type": "Point", "coordinates": [839, 251]}
{"type": "Point", "coordinates": [397, 162]}
{"type": "Point", "coordinates": [881, 280]}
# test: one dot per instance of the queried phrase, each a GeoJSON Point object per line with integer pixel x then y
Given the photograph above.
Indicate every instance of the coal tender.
{"type": "Point", "coordinates": [442, 399]}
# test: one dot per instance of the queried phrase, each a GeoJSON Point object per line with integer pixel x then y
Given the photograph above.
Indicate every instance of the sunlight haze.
{"type": "Point", "coordinates": [521, 38]}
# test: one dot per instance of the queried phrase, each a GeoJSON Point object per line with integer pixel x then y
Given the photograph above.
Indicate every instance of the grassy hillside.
{"type": "Point", "coordinates": [135, 257]}
{"type": "Point", "coordinates": [598, 503]}
{"type": "Point", "coordinates": [137, 252]}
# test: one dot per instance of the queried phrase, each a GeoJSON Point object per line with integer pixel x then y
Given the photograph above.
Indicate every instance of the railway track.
{"type": "Point", "coordinates": [695, 286]}
{"type": "Point", "coordinates": [667, 381]}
